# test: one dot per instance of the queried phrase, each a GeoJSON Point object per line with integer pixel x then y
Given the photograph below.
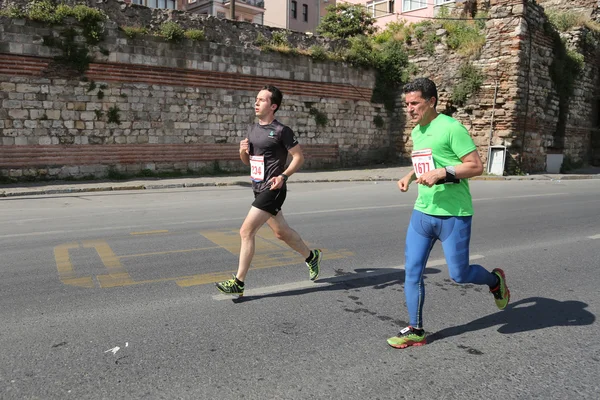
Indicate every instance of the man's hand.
{"type": "Point", "coordinates": [245, 146]}
{"type": "Point", "coordinates": [404, 182]}
{"type": "Point", "coordinates": [276, 182]}
{"type": "Point", "coordinates": [430, 178]}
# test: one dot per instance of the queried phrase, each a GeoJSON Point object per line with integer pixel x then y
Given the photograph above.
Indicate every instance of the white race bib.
{"type": "Point", "coordinates": [257, 168]}
{"type": "Point", "coordinates": [422, 161]}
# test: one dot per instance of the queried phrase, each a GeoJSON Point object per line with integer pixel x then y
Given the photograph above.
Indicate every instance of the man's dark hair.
{"type": "Point", "coordinates": [424, 85]}
{"type": "Point", "coordinates": [276, 95]}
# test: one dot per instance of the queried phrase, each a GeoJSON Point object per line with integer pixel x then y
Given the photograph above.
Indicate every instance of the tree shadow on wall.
{"type": "Point", "coordinates": [525, 315]}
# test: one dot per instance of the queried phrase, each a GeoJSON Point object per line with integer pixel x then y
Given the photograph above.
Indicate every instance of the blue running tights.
{"type": "Point", "coordinates": [455, 234]}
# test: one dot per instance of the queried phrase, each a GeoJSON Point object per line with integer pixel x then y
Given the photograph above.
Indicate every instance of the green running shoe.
{"type": "Point", "coordinates": [230, 286]}
{"type": "Point", "coordinates": [500, 292]}
{"type": "Point", "coordinates": [406, 338]}
{"type": "Point", "coordinates": [315, 265]}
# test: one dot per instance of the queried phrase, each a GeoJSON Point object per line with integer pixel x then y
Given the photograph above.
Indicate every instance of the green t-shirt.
{"type": "Point", "coordinates": [448, 140]}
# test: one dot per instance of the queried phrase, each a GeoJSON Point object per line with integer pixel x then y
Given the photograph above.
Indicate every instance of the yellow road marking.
{"type": "Point", "coordinates": [269, 252]}
{"type": "Point", "coordinates": [117, 275]}
{"type": "Point", "coordinates": [149, 232]}
{"type": "Point", "coordinates": [169, 252]}
{"type": "Point", "coordinates": [65, 267]}
{"type": "Point", "coordinates": [212, 277]}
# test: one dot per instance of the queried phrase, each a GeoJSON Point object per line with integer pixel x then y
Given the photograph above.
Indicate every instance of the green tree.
{"type": "Point", "coordinates": [346, 20]}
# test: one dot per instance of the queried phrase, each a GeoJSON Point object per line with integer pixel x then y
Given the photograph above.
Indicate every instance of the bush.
{"type": "Point", "coordinates": [345, 20]}
{"type": "Point", "coordinates": [280, 39]}
{"type": "Point", "coordinates": [171, 31]}
{"type": "Point", "coordinates": [318, 53]}
{"type": "Point", "coordinates": [134, 31]}
{"type": "Point", "coordinates": [471, 80]}
{"type": "Point", "coordinates": [195, 34]}
{"type": "Point", "coordinates": [41, 10]}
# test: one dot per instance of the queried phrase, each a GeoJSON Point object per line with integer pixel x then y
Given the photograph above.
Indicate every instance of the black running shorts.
{"type": "Point", "coordinates": [270, 200]}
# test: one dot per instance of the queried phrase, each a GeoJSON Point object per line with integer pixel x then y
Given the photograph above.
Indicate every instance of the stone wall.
{"type": "Point", "coordinates": [518, 104]}
{"type": "Point", "coordinates": [586, 7]}
{"type": "Point", "coordinates": [191, 95]}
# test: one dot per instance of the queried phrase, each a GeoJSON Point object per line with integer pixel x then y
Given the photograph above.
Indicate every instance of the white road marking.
{"type": "Point", "coordinates": [330, 281]}
{"type": "Point", "coordinates": [241, 217]}
{"type": "Point", "coordinates": [594, 237]}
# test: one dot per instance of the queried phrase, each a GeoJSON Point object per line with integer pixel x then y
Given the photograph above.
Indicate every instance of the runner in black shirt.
{"type": "Point", "coordinates": [266, 150]}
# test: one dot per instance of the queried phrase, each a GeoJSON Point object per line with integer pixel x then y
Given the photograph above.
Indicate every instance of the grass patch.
{"type": "Point", "coordinates": [134, 31]}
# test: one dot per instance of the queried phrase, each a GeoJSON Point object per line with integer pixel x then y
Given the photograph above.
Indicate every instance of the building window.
{"type": "Point", "coordinates": [294, 9]}
{"type": "Point", "coordinates": [440, 2]}
{"type": "Point", "coordinates": [221, 14]}
{"type": "Point", "coordinates": [305, 12]}
{"type": "Point", "coordinates": [410, 5]}
{"type": "Point", "coordinates": [379, 8]}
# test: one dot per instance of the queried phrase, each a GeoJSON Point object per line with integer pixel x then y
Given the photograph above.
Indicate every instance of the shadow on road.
{"type": "Point", "coordinates": [377, 278]}
{"type": "Point", "coordinates": [525, 315]}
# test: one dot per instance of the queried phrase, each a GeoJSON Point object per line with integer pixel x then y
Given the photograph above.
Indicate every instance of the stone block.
{"type": "Point", "coordinates": [18, 114]}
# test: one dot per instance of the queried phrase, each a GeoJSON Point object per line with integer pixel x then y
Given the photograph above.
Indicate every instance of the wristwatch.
{"type": "Point", "coordinates": [285, 177]}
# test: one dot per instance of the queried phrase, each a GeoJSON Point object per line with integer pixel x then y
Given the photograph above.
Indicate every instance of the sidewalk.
{"type": "Point", "coordinates": [347, 175]}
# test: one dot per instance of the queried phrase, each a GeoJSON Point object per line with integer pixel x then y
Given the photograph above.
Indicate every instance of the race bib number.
{"type": "Point", "coordinates": [422, 161]}
{"type": "Point", "coordinates": [257, 168]}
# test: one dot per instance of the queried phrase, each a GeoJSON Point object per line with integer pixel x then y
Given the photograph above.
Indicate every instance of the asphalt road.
{"type": "Point", "coordinates": [109, 296]}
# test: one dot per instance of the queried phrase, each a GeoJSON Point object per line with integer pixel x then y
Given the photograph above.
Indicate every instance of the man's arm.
{"type": "Point", "coordinates": [244, 151]}
{"type": "Point", "coordinates": [471, 166]}
{"type": "Point", "coordinates": [297, 161]}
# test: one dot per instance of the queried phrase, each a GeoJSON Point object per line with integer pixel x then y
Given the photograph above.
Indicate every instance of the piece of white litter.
{"type": "Point", "coordinates": [126, 344]}
{"type": "Point", "coordinates": [114, 350]}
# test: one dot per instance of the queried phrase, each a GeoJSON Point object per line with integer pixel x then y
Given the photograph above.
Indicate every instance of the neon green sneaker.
{"type": "Point", "coordinates": [406, 338]}
{"type": "Point", "coordinates": [500, 292]}
{"type": "Point", "coordinates": [314, 266]}
{"type": "Point", "coordinates": [230, 286]}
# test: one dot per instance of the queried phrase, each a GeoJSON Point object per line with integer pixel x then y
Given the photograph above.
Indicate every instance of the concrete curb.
{"type": "Point", "coordinates": [170, 185]}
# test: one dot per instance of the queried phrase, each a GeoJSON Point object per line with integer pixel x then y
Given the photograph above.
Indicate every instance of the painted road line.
{"type": "Point", "coordinates": [158, 253]}
{"type": "Point", "coordinates": [594, 237]}
{"type": "Point", "coordinates": [65, 267]}
{"type": "Point", "coordinates": [302, 285]}
{"type": "Point", "coordinates": [117, 275]}
{"type": "Point", "coordinates": [150, 232]}
{"type": "Point", "coordinates": [241, 217]}
{"type": "Point", "coordinates": [203, 279]}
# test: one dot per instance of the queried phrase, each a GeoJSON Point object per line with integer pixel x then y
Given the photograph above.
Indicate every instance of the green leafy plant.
{"type": "Point", "coordinates": [563, 21]}
{"type": "Point", "coordinates": [320, 117]}
{"type": "Point", "coordinates": [318, 52]}
{"type": "Point", "coordinates": [378, 121]}
{"type": "Point", "coordinates": [195, 34]}
{"type": "Point", "coordinates": [171, 31]}
{"type": "Point", "coordinates": [41, 10]}
{"type": "Point", "coordinates": [280, 38]}
{"type": "Point", "coordinates": [134, 31]}
{"type": "Point", "coordinates": [346, 20]}
{"type": "Point", "coordinates": [12, 11]}
{"type": "Point", "coordinates": [470, 81]}
{"type": "Point", "coordinates": [113, 115]}
{"type": "Point", "coordinates": [99, 114]}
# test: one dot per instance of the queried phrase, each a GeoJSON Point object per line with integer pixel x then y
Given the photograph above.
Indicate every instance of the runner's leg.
{"type": "Point", "coordinates": [455, 237]}
{"type": "Point", "coordinates": [419, 243]}
{"type": "Point", "coordinates": [254, 220]}
{"type": "Point", "coordinates": [284, 232]}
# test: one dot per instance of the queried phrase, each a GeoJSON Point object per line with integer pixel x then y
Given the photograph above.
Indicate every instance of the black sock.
{"type": "Point", "coordinates": [310, 258]}
{"type": "Point", "coordinates": [497, 282]}
{"type": "Point", "coordinates": [240, 283]}
{"type": "Point", "coordinates": [419, 332]}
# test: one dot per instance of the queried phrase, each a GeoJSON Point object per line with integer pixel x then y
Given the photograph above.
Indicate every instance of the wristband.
{"type": "Point", "coordinates": [285, 177]}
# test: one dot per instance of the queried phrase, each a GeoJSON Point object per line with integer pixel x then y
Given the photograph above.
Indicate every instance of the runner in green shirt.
{"type": "Point", "coordinates": [444, 157]}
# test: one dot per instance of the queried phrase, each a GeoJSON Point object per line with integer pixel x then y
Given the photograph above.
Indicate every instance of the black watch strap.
{"type": "Point", "coordinates": [285, 177]}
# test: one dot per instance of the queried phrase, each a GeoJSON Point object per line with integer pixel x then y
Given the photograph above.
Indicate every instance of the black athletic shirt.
{"type": "Point", "coordinates": [273, 142]}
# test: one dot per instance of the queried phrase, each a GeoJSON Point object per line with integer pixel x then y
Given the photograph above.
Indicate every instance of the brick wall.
{"type": "Point", "coordinates": [181, 106]}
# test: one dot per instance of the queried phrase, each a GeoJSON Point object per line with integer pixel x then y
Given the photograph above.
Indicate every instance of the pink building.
{"type": "Point", "coordinates": [385, 11]}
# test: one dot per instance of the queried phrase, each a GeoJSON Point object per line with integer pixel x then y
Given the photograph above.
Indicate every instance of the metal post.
{"type": "Point", "coordinates": [233, 10]}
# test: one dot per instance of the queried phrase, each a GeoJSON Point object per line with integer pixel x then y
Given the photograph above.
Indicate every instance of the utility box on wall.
{"type": "Point", "coordinates": [496, 158]}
